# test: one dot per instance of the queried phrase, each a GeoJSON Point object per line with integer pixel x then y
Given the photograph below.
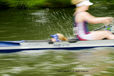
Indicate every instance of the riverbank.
{"type": "Point", "coordinates": [31, 4]}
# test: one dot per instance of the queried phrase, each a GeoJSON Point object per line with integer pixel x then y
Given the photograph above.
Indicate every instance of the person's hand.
{"type": "Point", "coordinates": [108, 20]}
{"type": "Point", "coordinates": [53, 40]}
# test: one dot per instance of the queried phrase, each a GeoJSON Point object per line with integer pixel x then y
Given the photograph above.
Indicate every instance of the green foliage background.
{"type": "Point", "coordinates": [43, 3]}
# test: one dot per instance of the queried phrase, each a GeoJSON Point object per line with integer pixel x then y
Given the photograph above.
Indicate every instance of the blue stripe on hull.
{"type": "Point", "coordinates": [69, 48]}
{"type": "Point", "coordinates": [10, 43]}
{"type": "Point", "coordinates": [18, 50]}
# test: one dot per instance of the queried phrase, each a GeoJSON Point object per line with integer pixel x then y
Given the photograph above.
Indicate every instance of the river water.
{"type": "Point", "coordinates": [40, 24]}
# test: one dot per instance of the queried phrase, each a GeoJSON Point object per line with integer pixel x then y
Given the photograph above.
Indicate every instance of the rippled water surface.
{"type": "Point", "coordinates": [94, 62]}
{"type": "Point", "coordinates": [34, 24]}
{"type": "Point", "coordinates": [39, 24]}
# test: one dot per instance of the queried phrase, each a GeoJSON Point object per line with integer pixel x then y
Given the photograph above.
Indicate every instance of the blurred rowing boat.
{"type": "Point", "coordinates": [15, 46]}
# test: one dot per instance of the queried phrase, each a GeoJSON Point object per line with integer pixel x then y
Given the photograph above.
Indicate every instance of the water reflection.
{"type": "Point", "coordinates": [97, 61]}
{"type": "Point", "coordinates": [40, 16]}
{"type": "Point", "coordinates": [35, 24]}
{"type": "Point", "coordinates": [82, 63]}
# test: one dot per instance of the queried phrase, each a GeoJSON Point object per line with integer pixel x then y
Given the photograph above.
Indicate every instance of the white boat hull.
{"type": "Point", "coordinates": [44, 45]}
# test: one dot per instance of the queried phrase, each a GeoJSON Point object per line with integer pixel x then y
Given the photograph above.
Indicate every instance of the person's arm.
{"type": "Point", "coordinates": [95, 20]}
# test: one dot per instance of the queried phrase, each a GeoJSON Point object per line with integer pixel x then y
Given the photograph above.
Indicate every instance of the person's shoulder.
{"type": "Point", "coordinates": [80, 13]}
{"type": "Point", "coordinates": [83, 13]}
{"type": "Point", "coordinates": [81, 16]}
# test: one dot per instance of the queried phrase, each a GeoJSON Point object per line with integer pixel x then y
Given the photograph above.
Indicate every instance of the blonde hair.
{"type": "Point", "coordinates": [74, 2]}
{"type": "Point", "coordinates": [62, 37]}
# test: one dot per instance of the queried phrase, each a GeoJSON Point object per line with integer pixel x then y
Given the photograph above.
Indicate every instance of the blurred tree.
{"type": "Point", "coordinates": [25, 3]}
{"type": "Point", "coordinates": [3, 4]}
{"type": "Point", "coordinates": [59, 3]}
{"type": "Point", "coordinates": [44, 3]}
